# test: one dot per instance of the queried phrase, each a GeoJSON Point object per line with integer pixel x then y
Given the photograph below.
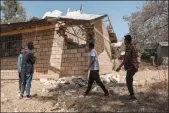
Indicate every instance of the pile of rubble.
{"type": "Point", "coordinates": [75, 82]}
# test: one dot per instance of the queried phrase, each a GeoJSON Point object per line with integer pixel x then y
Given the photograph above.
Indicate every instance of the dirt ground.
{"type": "Point", "coordinates": [70, 99]}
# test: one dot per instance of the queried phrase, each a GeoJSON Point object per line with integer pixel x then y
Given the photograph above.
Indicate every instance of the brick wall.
{"type": "Point", "coordinates": [44, 42]}
{"type": "Point", "coordinates": [55, 59]}
{"type": "Point", "coordinates": [74, 62]}
{"type": "Point", "coordinates": [102, 46]}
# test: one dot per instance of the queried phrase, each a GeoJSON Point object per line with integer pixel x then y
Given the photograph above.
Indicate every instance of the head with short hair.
{"type": "Point", "coordinates": [127, 39]}
{"type": "Point", "coordinates": [30, 45]}
{"type": "Point", "coordinates": [91, 46]}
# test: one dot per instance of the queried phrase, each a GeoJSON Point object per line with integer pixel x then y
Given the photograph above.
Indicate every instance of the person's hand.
{"type": "Point", "coordinates": [86, 70]}
{"type": "Point", "coordinates": [118, 69]}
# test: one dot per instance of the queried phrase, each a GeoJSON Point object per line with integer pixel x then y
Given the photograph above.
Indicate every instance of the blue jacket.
{"type": "Point", "coordinates": [20, 62]}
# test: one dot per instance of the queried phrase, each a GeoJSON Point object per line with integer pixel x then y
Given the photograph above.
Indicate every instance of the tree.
{"type": "Point", "coordinates": [150, 23]}
{"type": "Point", "coordinates": [13, 12]}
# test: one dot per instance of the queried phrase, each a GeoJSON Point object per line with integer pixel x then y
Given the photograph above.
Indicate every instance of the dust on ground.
{"type": "Point", "coordinates": [68, 98]}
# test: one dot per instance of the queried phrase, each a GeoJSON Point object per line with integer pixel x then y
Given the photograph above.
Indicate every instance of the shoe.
{"type": "Point", "coordinates": [28, 96]}
{"type": "Point", "coordinates": [85, 94]}
{"type": "Point", "coordinates": [106, 94]}
{"type": "Point", "coordinates": [21, 96]}
{"type": "Point", "coordinates": [132, 97]}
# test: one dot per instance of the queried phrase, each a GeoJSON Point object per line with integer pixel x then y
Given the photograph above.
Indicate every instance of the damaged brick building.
{"type": "Point", "coordinates": [60, 45]}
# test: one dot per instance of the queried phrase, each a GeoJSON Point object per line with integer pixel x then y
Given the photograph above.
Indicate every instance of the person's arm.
{"type": "Point", "coordinates": [32, 58]}
{"type": "Point", "coordinates": [21, 57]}
{"type": "Point", "coordinates": [118, 69]}
{"type": "Point", "coordinates": [19, 68]}
{"type": "Point", "coordinates": [127, 56]}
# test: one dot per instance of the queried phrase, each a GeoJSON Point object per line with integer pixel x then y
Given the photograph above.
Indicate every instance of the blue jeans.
{"type": "Point", "coordinates": [26, 82]}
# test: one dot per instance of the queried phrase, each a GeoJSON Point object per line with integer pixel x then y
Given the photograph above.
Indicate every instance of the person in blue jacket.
{"type": "Point", "coordinates": [20, 66]}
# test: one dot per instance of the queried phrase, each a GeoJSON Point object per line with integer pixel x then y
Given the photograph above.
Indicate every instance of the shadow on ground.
{"type": "Point", "coordinates": [96, 102]}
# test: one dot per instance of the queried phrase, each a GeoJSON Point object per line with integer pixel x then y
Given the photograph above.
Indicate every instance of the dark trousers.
{"type": "Point", "coordinates": [26, 83]}
{"type": "Point", "coordinates": [129, 81]}
{"type": "Point", "coordinates": [94, 76]}
{"type": "Point", "coordinates": [20, 82]}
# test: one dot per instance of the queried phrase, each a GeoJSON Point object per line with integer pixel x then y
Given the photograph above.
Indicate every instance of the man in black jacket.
{"type": "Point", "coordinates": [27, 69]}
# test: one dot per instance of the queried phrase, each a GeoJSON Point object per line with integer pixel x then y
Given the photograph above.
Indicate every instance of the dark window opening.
{"type": "Point", "coordinates": [10, 45]}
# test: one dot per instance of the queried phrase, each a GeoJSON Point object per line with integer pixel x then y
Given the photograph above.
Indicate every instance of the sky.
{"type": "Point", "coordinates": [115, 10]}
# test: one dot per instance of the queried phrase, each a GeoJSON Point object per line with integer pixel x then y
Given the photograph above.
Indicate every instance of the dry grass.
{"type": "Point", "coordinates": [162, 85]}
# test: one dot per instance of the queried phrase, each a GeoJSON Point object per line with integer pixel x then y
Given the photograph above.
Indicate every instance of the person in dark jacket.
{"type": "Point", "coordinates": [27, 69]}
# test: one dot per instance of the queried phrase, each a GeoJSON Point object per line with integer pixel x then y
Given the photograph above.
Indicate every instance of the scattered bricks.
{"type": "Point", "coordinates": [78, 55]}
{"type": "Point", "coordinates": [74, 51]}
{"type": "Point", "coordinates": [81, 50]}
{"type": "Point", "coordinates": [85, 54]}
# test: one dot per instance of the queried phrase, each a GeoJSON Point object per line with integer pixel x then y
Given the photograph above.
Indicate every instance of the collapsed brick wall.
{"type": "Point", "coordinates": [54, 57]}
{"type": "Point", "coordinates": [102, 46]}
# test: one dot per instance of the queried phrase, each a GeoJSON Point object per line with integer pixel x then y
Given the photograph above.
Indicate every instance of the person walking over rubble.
{"type": "Point", "coordinates": [20, 66]}
{"type": "Point", "coordinates": [130, 63]}
{"type": "Point", "coordinates": [94, 71]}
{"type": "Point", "coordinates": [27, 69]}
